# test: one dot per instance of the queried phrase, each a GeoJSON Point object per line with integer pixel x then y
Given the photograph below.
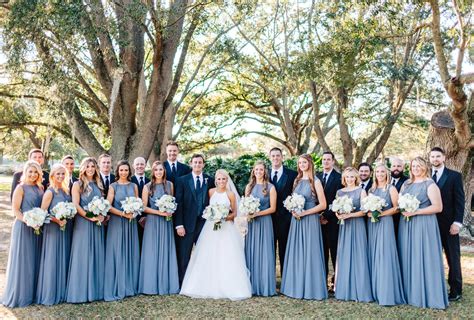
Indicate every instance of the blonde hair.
{"type": "Point", "coordinates": [65, 184]}
{"type": "Point", "coordinates": [33, 164]}
{"type": "Point", "coordinates": [225, 174]}
{"type": "Point", "coordinates": [423, 163]}
{"type": "Point", "coordinates": [375, 184]}
{"type": "Point", "coordinates": [253, 179]}
{"type": "Point", "coordinates": [348, 170]}
{"type": "Point", "coordinates": [83, 181]}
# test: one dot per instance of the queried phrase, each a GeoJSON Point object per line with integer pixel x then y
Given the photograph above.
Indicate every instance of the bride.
{"type": "Point", "coordinates": [217, 267]}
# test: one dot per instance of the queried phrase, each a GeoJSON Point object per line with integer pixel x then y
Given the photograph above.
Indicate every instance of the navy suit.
{"type": "Point", "coordinates": [140, 191]}
{"type": "Point", "coordinates": [452, 194]}
{"type": "Point", "coordinates": [368, 185]}
{"type": "Point", "coordinates": [17, 177]}
{"type": "Point", "coordinates": [106, 188]}
{"type": "Point", "coordinates": [330, 230]}
{"type": "Point", "coordinates": [282, 218]}
{"type": "Point", "coordinates": [71, 183]}
{"type": "Point", "coordinates": [191, 203]}
{"type": "Point", "coordinates": [396, 216]}
{"type": "Point", "coordinates": [181, 170]}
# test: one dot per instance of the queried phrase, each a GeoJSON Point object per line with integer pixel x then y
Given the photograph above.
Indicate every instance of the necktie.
{"type": "Point", "coordinates": [362, 185]}
{"type": "Point", "coordinates": [325, 175]}
{"type": "Point", "coordinates": [107, 182]}
{"type": "Point", "coordinates": [198, 183]}
{"type": "Point", "coordinates": [275, 178]}
{"type": "Point", "coordinates": [394, 182]}
{"type": "Point", "coordinates": [173, 169]}
{"type": "Point", "coordinates": [141, 183]}
{"type": "Point", "coordinates": [435, 176]}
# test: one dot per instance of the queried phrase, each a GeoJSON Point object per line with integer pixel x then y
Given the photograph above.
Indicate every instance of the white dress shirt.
{"type": "Point", "coordinates": [279, 172]}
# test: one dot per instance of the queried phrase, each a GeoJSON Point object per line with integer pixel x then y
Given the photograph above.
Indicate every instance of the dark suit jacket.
{"type": "Point", "coordinates": [400, 182]}
{"type": "Point", "coordinates": [74, 179]}
{"type": "Point", "coordinates": [368, 185]}
{"type": "Point", "coordinates": [190, 203]}
{"type": "Point", "coordinates": [17, 177]}
{"type": "Point", "coordinates": [333, 184]}
{"type": "Point", "coordinates": [452, 194]}
{"type": "Point", "coordinates": [140, 189]}
{"type": "Point", "coordinates": [181, 170]}
{"type": "Point", "coordinates": [284, 188]}
{"type": "Point", "coordinates": [112, 180]}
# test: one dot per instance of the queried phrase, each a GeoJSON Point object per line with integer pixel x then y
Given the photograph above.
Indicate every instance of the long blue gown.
{"type": "Point", "coordinates": [421, 261]}
{"type": "Point", "coordinates": [86, 266]}
{"type": "Point", "coordinates": [55, 252]}
{"type": "Point", "coordinates": [24, 256]}
{"type": "Point", "coordinates": [352, 265]}
{"type": "Point", "coordinates": [158, 265]}
{"type": "Point", "coordinates": [387, 286]}
{"type": "Point", "coordinates": [260, 248]}
{"type": "Point", "coordinates": [122, 254]}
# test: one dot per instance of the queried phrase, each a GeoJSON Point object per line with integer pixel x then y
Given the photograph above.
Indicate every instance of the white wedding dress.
{"type": "Point", "coordinates": [217, 268]}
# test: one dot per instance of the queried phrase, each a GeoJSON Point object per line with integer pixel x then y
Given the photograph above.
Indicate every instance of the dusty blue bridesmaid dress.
{"type": "Point", "coordinates": [352, 265]}
{"type": "Point", "coordinates": [122, 254]}
{"type": "Point", "coordinates": [24, 256]}
{"type": "Point", "coordinates": [158, 265]}
{"type": "Point", "coordinates": [386, 279]}
{"type": "Point", "coordinates": [419, 245]}
{"type": "Point", "coordinates": [260, 248]}
{"type": "Point", "coordinates": [55, 252]}
{"type": "Point", "coordinates": [86, 265]}
{"type": "Point", "coordinates": [304, 274]}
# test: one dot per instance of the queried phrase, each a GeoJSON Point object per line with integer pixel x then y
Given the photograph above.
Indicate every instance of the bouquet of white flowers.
{"type": "Point", "coordinates": [294, 203]}
{"type": "Point", "coordinates": [374, 204]}
{"type": "Point", "coordinates": [342, 205]}
{"type": "Point", "coordinates": [132, 205]}
{"type": "Point", "coordinates": [63, 211]}
{"type": "Point", "coordinates": [167, 204]}
{"type": "Point", "coordinates": [97, 207]}
{"type": "Point", "coordinates": [216, 213]}
{"type": "Point", "coordinates": [35, 218]}
{"type": "Point", "coordinates": [408, 203]}
{"type": "Point", "coordinates": [249, 206]}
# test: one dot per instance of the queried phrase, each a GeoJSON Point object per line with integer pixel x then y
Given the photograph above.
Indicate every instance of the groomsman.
{"type": "Point", "coordinates": [105, 168]}
{"type": "Point", "coordinates": [174, 168]}
{"type": "Point", "coordinates": [331, 181]}
{"type": "Point", "coordinates": [450, 219]}
{"type": "Point", "coordinates": [192, 197]}
{"type": "Point", "coordinates": [365, 173]}
{"type": "Point", "coordinates": [283, 179]}
{"type": "Point", "coordinates": [398, 178]}
{"type": "Point", "coordinates": [35, 155]}
{"type": "Point", "coordinates": [68, 162]}
{"type": "Point", "coordinates": [140, 180]}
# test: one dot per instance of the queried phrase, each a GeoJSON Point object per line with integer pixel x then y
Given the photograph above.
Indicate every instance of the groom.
{"type": "Point", "coordinates": [192, 197]}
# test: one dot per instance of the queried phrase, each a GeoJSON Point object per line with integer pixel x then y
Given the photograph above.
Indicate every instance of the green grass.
{"type": "Point", "coordinates": [4, 186]}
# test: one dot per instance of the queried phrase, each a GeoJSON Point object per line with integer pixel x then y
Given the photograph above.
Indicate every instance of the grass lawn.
{"type": "Point", "coordinates": [183, 307]}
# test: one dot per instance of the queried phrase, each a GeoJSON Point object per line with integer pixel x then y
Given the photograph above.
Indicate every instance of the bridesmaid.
{"type": "Point", "coordinates": [352, 264]}
{"type": "Point", "coordinates": [419, 242]}
{"type": "Point", "coordinates": [259, 244]}
{"type": "Point", "coordinates": [158, 265]}
{"type": "Point", "coordinates": [386, 279]}
{"type": "Point", "coordinates": [304, 271]}
{"type": "Point", "coordinates": [122, 255]}
{"type": "Point", "coordinates": [25, 246]}
{"type": "Point", "coordinates": [86, 266]}
{"type": "Point", "coordinates": [56, 246]}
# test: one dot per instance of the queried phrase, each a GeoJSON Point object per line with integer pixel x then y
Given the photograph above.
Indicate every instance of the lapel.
{"type": "Point", "coordinates": [191, 186]}
{"type": "Point", "coordinates": [330, 180]}
{"type": "Point", "coordinates": [282, 182]}
{"type": "Point", "coordinates": [443, 178]}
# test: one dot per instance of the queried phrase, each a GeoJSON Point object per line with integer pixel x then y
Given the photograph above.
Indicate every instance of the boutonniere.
{"type": "Point", "coordinates": [205, 180]}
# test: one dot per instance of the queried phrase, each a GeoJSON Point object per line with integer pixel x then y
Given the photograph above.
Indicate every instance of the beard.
{"type": "Point", "coordinates": [396, 174]}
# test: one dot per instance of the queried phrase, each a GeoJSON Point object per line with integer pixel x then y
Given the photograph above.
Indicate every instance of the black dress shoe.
{"type": "Point", "coordinates": [454, 297]}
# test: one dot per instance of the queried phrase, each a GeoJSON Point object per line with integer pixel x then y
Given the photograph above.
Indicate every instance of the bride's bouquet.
{"type": "Point", "coordinates": [249, 206]}
{"type": "Point", "coordinates": [294, 203]}
{"type": "Point", "coordinates": [35, 218]}
{"type": "Point", "coordinates": [374, 204]}
{"type": "Point", "coordinates": [64, 211]}
{"type": "Point", "coordinates": [342, 205]}
{"type": "Point", "coordinates": [408, 203]}
{"type": "Point", "coordinates": [167, 204]}
{"type": "Point", "coordinates": [132, 205]}
{"type": "Point", "coordinates": [97, 207]}
{"type": "Point", "coordinates": [216, 213]}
